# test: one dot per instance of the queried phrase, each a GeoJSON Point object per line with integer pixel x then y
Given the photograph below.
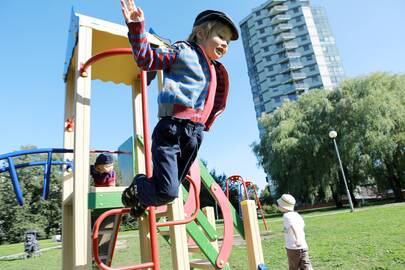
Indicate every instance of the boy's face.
{"type": "Point", "coordinates": [104, 168]}
{"type": "Point", "coordinates": [282, 209]}
{"type": "Point", "coordinates": [216, 44]}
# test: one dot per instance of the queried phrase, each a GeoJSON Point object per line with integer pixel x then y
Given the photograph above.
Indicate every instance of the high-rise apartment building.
{"type": "Point", "coordinates": [289, 50]}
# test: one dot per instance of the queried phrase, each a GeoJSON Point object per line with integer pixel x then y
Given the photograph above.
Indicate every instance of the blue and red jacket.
{"type": "Point", "coordinates": [194, 87]}
{"type": "Point", "coordinates": [102, 179]}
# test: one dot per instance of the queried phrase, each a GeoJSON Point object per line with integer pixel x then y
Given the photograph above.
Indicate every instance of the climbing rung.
{"type": "Point", "coordinates": [201, 264]}
{"type": "Point", "coordinates": [164, 232]}
{"type": "Point", "coordinates": [161, 211]}
{"type": "Point", "coordinates": [108, 231]}
{"type": "Point", "coordinates": [194, 248]}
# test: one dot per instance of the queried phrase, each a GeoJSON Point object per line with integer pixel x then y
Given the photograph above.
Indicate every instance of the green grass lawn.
{"type": "Point", "coordinates": [370, 238]}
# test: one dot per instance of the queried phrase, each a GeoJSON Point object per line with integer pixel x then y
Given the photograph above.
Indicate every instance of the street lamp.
{"type": "Point", "coordinates": [333, 135]}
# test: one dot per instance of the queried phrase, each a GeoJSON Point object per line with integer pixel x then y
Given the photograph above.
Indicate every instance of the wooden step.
{"type": "Point", "coordinates": [164, 232]}
{"type": "Point", "coordinates": [201, 264]}
{"type": "Point", "coordinates": [194, 249]}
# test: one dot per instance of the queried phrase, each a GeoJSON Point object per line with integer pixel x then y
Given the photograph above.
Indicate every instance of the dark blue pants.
{"type": "Point", "coordinates": [175, 143]}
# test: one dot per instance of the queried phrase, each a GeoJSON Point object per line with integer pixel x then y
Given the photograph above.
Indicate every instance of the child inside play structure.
{"type": "Point", "coordinates": [195, 89]}
{"type": "Point", "coordinates": [102, 171]}
{"type": "Point", "coordinates": [295, 244]}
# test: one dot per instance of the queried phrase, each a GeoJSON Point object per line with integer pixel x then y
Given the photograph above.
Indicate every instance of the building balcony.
{"type": "Point", "coordinates": [288, 57]}
{"type": "Point", "coordinates": [279, 19]}
{"type": "Point", "coordinates": [290, 45]}
{"type": "Point", "coordinates": [282, 28]}
{"type": "Point", "coordinates": [300, 87]}
{"type": "Point", "coordinates": [275, 2]}
{"type": "Point", "coordinates": [278, 9]}
{"type": "Point", "coordinates": [298, 76]}
{"type": "Point", "coordinates": [285, 37]}
{"type": "Point", "coordinates": [294, 77]}
{"type": "Point", "coordinates": [295, 88]}
{"type": "Point", "coordinates": [292, 66]}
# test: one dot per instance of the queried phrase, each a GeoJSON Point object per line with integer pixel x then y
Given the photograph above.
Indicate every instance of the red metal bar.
{"type": "Point", "coordinates": [115, 241]}
{"type": "Point", "coordinates": [260, 208]}
{"type": "Point", "coordinates": [189, 205]}
{"type": "Point", "coordinates": [154, 246]}
{"type": "Point", "coordinates": [226, 247]}
{"type": "Point", "coordinates": [250, 184]}
{"type": "Point", "coordinates": [193, 216]}
{"type": "Point", "coordinates": [96, 228]}
{"type": "Point", "coordinates": [236, 178]}
{"type": "Point", "coordinates": [102, 55]}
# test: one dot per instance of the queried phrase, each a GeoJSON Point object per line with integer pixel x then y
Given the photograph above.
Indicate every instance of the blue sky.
{"type": "Point", "coordinates": [370, 36]}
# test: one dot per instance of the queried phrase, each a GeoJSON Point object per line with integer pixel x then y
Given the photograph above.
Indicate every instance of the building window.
{"type": "Point", "coordinates": [277, 99]}
{"type": "Point", "coordinates": [259, 22]}
{"type": "Point", "coordinates": [266, 49]}
{"type": "Point", "coordinates": [292, 97]}
{"type": "Point", "coordinates": [309, 57]}
{"type": "Point", "coordinates": [298, 19]}
{"type": "Point", "coordinates": [263, 39]}
{"type": "Point", "coordinates": [268, 58]}
{"type": "Point", "coordinates": [312, 68]}
{"type": "Point", "coordinates": [304, 37]}
{"type": "Point", "coordinates": [272, 78]}
{"type": "Point", "coordinates": [296, 10]}
{"type": "Point", "coordinates": [306, 47]}
{"type": "Point", "coordinates": [301, 27]}
{"type": "Point", "coordinates": [270, 68]}
{"type": "Point", "coordinates": [261, 31]}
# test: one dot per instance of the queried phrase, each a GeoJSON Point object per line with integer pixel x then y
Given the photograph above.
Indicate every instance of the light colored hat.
{"type": "Point", "coordinates": [287, 202]}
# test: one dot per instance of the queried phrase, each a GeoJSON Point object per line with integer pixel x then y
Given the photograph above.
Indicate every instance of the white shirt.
{"type": "Point", "coordinates": [294, 219]}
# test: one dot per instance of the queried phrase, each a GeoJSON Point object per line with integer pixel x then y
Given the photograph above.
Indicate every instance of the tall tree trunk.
{"type": "Point", "coordinates": [395, 182]}
{"type": "Point", "coordinates": [336, 197]}
{"type": "Point", "coordinates": [396, 187]}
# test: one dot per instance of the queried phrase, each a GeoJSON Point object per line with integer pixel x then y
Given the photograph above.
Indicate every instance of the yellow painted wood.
{"type": "Point", "coordinates": [178, 235]}
{"type": "Point", "coordinates": [67, 185]}
{"type": "Point", "coordinates": [139, 151]}
{"type": "Point", "coordinates": [252, 234]}
{"type": "Point", "coordinates": [81, 215]}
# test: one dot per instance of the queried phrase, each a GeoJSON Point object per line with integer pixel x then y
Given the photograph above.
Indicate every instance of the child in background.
{"type": "Point", "coordinates": [103, 171]}
{"type": "Point", "coordinates": [195, 89]}
{"type": "Point", "coordinates": [297, 247]}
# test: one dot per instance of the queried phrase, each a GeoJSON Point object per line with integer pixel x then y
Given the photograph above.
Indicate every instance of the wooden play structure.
{"type": "Point", "coordinates": [99, 50]}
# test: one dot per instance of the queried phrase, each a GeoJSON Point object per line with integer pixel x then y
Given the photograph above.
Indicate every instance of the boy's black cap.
{"type": "Point", "coordinates": [210, 15]}
{"type": "Point", "coordinates": [104, 158]}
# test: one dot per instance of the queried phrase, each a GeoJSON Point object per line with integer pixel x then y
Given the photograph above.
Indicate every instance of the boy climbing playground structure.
{"type": "Point", "coordinates": [99, 50]}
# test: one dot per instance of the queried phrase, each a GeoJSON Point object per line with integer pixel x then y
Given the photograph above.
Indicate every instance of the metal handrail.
{"type": "Point", "coordinates": [106, 214]}
{"type": "Point", "coordinates": [102, 55]}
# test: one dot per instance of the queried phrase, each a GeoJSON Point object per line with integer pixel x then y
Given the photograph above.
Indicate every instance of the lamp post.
{"type": "Point", "coordinates": [333, 135]}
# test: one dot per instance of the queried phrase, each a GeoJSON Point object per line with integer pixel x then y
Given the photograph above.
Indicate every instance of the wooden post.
{"type": "Point", "coordinates": [252, 234]}
{"type": "Point", "coordinates": [178, 235]}
{"type": "Point", "coordinates": [81, 215]}
{"type": "Point", "coordinates": [67, 185]}
{"type": "Point", "coordinates": [139, 151]}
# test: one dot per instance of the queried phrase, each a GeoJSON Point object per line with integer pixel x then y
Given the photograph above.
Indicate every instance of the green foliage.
{"type": "Point", "coordinates": [36, 213]}
{"type": "Point", "coordinates": [368, 114]}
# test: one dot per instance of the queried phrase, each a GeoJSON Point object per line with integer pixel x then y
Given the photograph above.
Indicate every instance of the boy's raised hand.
{"type": "Point", "coordinates": [131, 12]}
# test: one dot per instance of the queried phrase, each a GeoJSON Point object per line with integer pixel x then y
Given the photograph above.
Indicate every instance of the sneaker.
{"type": "Point", "coordinates": [137, 211]}
{"type": "Point", "coordinates": [129, 197]}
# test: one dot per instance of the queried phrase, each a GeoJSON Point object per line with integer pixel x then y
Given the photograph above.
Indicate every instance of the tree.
{"type": "Point", "coordinates": [36, 213]}
{"type": "Point", "coordinates": [368, 114]}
